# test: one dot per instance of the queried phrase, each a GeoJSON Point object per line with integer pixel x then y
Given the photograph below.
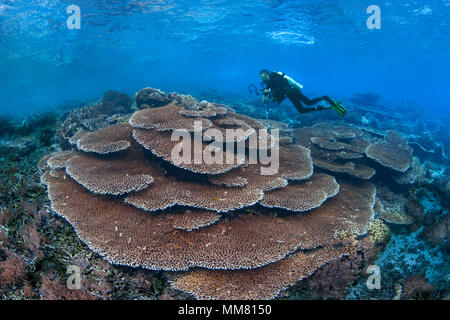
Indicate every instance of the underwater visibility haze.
{"type": "Point", "coordinates": [357, 207]}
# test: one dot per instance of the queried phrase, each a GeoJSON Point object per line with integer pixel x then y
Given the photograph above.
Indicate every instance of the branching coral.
{"type": "Point", "coordinates": [378, 232]}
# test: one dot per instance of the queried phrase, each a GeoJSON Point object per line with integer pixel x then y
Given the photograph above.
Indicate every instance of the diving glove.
{"type": "Point", "coordinates": [339, 108]}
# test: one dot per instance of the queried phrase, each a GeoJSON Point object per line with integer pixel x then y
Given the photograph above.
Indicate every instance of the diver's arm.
{"type": "Point", "coordinates": [266, 93]}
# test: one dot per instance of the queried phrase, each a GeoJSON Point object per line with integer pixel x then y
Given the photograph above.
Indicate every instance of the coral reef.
{"type": "Point", "coordinates": [113, 109]}
{"type": "Point", "coordinates": [416, 287]}
{"type": "Point", "coordinates": [347, 270]}
{"type": "Point", "coordinates": [6, 126]}
{"type": "Point", "coordinates": [135, 214]}
{"type": "Point", "coordinates": [114, 102]}
{"type": "Point", "coordinates": [213, 216]}
{"type": "Point", "coordinates": [438, 233]}
{"type": "Point", "coordinates": [151, 98]}
{"type": "Point", "coordinates": [336, 148]}
{"type": "Point", "coordinates": [393, 153]}
{"type": "Point", "coordinates": [378, 232]}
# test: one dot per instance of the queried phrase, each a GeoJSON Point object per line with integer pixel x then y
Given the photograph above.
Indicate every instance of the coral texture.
{"type": "Point", "coordinates": [394, 152]}
{"type": "Point", "coordinates": [336, 149]}
{"type": "Point", "coordinates": [113, 139]}
{"type": "Point", "coordinates": [131, 202]}
{"type": "Point", "coordinates": [151, 98]}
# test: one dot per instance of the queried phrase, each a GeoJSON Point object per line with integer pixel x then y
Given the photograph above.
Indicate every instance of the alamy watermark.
{"type": "Point", "coordinates": [374, 280]}
{"type": "Point", "coordinates": [374, 20]}
{"type": "Point", "coordinates": [74, 280]}
{"type": "Point", "coordinates": [263, 148]}
{"type": "Point", "coordinates": [74, 20]}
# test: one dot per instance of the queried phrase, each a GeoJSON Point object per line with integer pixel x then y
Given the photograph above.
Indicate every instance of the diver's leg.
{"type": "Point", "coordinates": [302, 109]}
{"type": "Point", "coordinates": [297, 97]}
{"type": "Point", "coordinates": [336, 106]}
{"type": "Point", "coordinates": [310, 102]}
{"type": "Point", "coordinates": [294, 97]}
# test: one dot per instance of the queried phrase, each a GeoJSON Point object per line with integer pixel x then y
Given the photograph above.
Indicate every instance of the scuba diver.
{"type": "Point", "coordinates": [278, 86]}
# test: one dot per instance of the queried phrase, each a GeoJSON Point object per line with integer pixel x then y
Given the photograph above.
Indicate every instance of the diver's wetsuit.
{"type": "Point", "coordinates": [281, 86]}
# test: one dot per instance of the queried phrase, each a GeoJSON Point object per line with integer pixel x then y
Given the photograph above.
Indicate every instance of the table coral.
{"type": "Point", "coordinates": [130, 202]}
{"type": "Point", "coordinates": [336, 148]}
{"type": "Point", "coordinates": [394, 152]}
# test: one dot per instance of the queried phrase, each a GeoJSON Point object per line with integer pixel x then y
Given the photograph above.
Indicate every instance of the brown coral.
{"type": "Point", "coordinates": [192, 153]}
{"type": "Point", "coordinates": [417, 287]}
{"type": "Point", "coordinates": [116, 230]}
{"type": "Point", "coordinates": [294, 164]}
{"type": "Point", "coordinates": [151, 98]}
{"type": "Point", "coordinates": [136, 227]}
{"type": "Point", "coordinates": [193, 219]}
{"type": "Point", "coordinates": [302, 196]}
{"type": "Point", "coordinates": [327, 143]}
{"type": "Point", "coordinates": [208, 111]}
{"type": "Point", "coordinates": [338, 149]}
{"type": "Point", "coordinates": [166, 192]}
{"type": "Point", "coordinates": [394, 152]}
{"type": "Point", "coordinates": [258, 284]}
{"type": "Point", "coordinates": [126, 235]}
{"type": "Point", "coordinates": [58, 160]}
{"type": "Point", "coordinates": [345, 132]}
{"type": "Point", "coordinates": [112, 139]}
{"type": "Point", "coordinates": [74, 139]}
{"type": "Point", "coordinates": [161, 144]}
{"type": "Point", "coordinates": [166, 118]}
{"type": "Point", "coordinates": [116, 175]}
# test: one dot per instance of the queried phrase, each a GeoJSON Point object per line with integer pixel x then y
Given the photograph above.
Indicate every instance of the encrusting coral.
{"type": "Point", "coordinates": [130, 201]}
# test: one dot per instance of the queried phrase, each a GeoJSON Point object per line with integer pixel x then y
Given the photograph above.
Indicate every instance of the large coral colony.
{"type": "Point", "coordinates": [223, 230]}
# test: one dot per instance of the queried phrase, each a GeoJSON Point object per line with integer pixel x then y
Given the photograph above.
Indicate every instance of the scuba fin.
{"type": "Point", "coordinates": [339, 108]}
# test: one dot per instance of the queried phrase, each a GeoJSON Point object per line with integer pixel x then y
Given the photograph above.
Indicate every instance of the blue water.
{"type": "Point", "coordinates": [191, 46]}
